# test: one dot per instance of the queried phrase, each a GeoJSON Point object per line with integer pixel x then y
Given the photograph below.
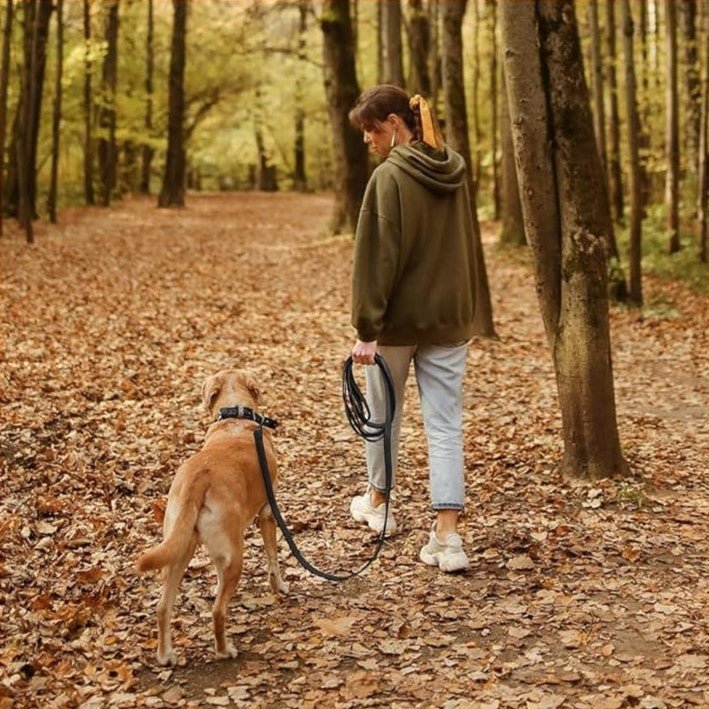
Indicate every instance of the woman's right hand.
{"type": "Point", "coordinates": [363, 352]}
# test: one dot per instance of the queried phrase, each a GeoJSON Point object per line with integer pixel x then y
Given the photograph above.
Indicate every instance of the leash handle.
{"type": "Point", "coordinates": [359, 418]}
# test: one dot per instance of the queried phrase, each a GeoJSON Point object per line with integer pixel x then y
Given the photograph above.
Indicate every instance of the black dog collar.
{"type": "Point", "coordinates": [244, 412]}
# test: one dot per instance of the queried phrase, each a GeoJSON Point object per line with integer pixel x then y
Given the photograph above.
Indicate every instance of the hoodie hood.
{"type": "Point", "coordinates": [440, 171]}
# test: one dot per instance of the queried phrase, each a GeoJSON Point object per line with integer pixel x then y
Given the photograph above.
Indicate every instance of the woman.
{"type": "Point", "coordinates": [413, 298]}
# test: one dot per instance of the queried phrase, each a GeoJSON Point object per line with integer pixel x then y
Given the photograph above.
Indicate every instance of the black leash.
{"type": "Point", "coordinates": [359, 417]}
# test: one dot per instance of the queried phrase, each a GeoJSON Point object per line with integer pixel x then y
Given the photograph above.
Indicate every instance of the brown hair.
{"type": "Point", "coordinates": [375, 104]}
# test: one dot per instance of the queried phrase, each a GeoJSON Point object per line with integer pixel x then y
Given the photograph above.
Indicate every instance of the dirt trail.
{"type": "Point", "coordinates": [581, 595]}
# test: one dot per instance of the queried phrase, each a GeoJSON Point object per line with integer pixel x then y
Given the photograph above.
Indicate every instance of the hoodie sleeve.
{"type": "Point", "coordinates": [376, 255]}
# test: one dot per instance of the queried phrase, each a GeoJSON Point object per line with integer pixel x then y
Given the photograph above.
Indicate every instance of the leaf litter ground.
{"type": "Point", "coordinates": [578, 595]}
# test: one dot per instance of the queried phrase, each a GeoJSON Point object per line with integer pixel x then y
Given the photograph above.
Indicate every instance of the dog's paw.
{"type": "Point", "coordinates": [278, 585]}
{"type": "Point", "coordinates": [229, 652]}
{"type": "Point", "coordinates": [168, 658]}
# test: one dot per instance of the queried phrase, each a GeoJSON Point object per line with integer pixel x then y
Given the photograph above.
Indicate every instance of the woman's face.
{"type": "Point", "coordinates": [379, 139]}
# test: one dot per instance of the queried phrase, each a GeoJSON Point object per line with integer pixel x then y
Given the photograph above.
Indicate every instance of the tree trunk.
{"type": "Point", "coordinates": [29, 109]}
{"type": "Point", "coordinates": [434, 57]}
{"type": "Point", "coordinates": [476, 165]}
{"type": "Point", "coordinates": [88, 112]}
{"type": "Point", "coordinates": [419, 48]}
{"type": "Point", "coordinates": [351, 166]}
{"type": "Point", "coordinates": [599, 113]}
{"type": "Point", "coordinates": [57, 115]}
{"type": "Point", "coordinates": [567, 224]}
{"type": "Point", "coordinates": [702, 204]}
{"type": "Point", "coordinates": [173, 186]}
{"type": "Point", "coordinates": [492, 12]}
{"type": "Point", "coordinates": [107, 153]}
{"type": "Point", "coordinates": [633, 127]}
{"type": "Point", "coordinates": [672, 184]}
{"type": "Point", "coordinates": [512, 232]}
{"type": "Point", "coordinates": [692, 83]}
{"type": "Point", "coordinates": [391, 43]}
{"type": "Point", "coordinates": [148, 151]}
{"type": "Point", "coordinates": [644, 107]}
{"type": "Point", "coordinates": [457, 131]}
{"type": "Point", "coordinates": [4, 80]}
{"type": "Point", "coordinates": [300, 182]}
{"type": "Point", "coordinates": [615, 180]}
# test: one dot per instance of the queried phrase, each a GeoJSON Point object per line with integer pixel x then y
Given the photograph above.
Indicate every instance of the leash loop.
{"type": "Point", "coordinates": [359, 418]}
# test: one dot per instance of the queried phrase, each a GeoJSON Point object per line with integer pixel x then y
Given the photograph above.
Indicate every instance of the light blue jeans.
{"type": "Point", "coordinates": [439, 373]}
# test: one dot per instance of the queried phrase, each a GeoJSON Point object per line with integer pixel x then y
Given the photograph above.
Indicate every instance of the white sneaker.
{"type": "Point", "coordinates": [448, 556]}
{"type": "Point", "coordinates": [363, 510]}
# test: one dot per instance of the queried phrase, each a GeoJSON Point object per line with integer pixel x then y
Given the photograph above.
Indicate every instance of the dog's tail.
{"type": "Point", "coordinates": [175, 545]}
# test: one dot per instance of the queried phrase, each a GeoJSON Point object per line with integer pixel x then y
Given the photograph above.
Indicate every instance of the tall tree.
{"type": "Point", "coordinates": [22, 152]}
{"type": "Point", "coordinates": [615, 180]}
{"type": "Point", "coordinates": [148, 151]}
{"type": "Point", "coordinates": [56, 115]}
{"type": "Point", "coordinates": [492, 13]}
{"type": "Point", "coordinates": [560, 176]}
{"type": "Point", "coordinates": [4, 80]}
{"type": "Point", "coordinates": [419, 35]}
{"type": "Point", "coordinates": [457, 131]}
{"type": "Point", "coordinates": [703, 200]}
{"type": "Point", "coordinates": [633, 127]}
{"type": "Point", "coordinates": [672, 183]}
{"type": "Point", "coordinates": [173, 185]}
{"type": "Point", "coordinates": [300, 181]}
{"type": "Point", "coordinates": [512, 231]}
{"type": "Point", "coordinates": [351, 166]}
{"type": "Point", "coordinates": [434, 56]}
{"type": "Point", "coordinates": [88, 109]}
{"type": "Point", "coordinates": [599, 113]}
{"type": "Point", "coordinates": [107, 152]}
{"type": "Point", "coordinates": [692, 80]}
{"type": "Point", "coordinates": [393, 63]}
{"type": "Point", "coordinates": [477, 129]}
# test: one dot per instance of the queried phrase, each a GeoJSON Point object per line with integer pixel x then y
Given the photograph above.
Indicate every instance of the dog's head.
{"type": "Point", "coordinates": [230, 387]}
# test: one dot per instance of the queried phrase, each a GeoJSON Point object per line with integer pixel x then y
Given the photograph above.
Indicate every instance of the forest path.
{"type": "Point", "coordinates": [582, 595]}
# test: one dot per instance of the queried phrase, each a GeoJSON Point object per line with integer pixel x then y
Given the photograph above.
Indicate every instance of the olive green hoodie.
{"type": "Point", "coordinates": [413, 280]}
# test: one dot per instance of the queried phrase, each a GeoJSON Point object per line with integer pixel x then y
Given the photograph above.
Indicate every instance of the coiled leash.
{"type": "Point", "coordinates": [359, 418]}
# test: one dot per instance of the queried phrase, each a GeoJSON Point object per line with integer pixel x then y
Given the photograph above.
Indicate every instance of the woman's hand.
{"type": "Point", "coordinates": [363, 352]}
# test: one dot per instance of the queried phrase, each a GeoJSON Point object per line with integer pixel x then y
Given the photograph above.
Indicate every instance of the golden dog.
{"type": "Point", "coordinates": [214, 495]}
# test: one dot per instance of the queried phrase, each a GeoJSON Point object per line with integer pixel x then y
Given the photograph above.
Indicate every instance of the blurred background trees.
{"type": "Point", "coordinates": [86, 115]}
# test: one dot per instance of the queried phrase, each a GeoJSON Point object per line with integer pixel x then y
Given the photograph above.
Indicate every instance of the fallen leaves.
{"type": "Point", "coordinates": [578, 595]}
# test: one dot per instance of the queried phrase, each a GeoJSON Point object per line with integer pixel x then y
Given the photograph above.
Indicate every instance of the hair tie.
{"type": "Point", "coordinates": [431, 135]}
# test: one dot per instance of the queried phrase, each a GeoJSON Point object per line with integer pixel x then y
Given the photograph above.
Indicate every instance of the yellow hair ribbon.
{"type": "Point", "coordinates": [431, 135]}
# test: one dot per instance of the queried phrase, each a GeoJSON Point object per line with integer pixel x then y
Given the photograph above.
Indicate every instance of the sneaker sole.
{"type": "Point", "coordinates": [361, 517]}
{"type": "Point", "coordinates": [447, 566]}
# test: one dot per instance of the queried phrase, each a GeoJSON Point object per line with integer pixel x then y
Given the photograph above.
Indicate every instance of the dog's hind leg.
{"type": "Point", "coordinates": [267, 525]}
{"type": "Point", "coordinates": [172, 575]}
{"type": "Point", "coordinates": [228, 573]}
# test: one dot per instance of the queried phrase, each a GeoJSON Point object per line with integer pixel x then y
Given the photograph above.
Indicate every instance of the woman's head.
{"type": "Point", "coordinates": [388, 117]}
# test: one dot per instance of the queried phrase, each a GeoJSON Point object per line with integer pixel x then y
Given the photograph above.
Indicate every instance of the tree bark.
{"type": "Point", "coordinates": [89, 195]}
{"type": "Point", "coordinates": [599, 113]}
{"type": "Point", "coordinates": [148, 151]}
{"type": "Point", "coordinates": [4, 80]}
{"type": "Point", "coordinates": [300, 182]}
{"type": "Point", "coordinates": [393, 64]}
{"type": "Point", "coordinates": [434, 57]}
{"type": "Point", "coordinates": [457, 131]}
{"type": "Point", "coordinates": [172, 193]}
{"type": "Point", "coordinates": [633, 127]}
{"type": "Point", "coordinates": [615, 179]}
{"type": "Point", "coordinates": [351, 165]}
{"type": "Point", "coordinates": [560, 176]}
{"type": "Point", "coordinates": [702, 203]}
{"type": "Point", "coordinates": [56, 115]}
{"type": "Point", "coordinates": [476, 165]}
{"type": "Point", "coordinates": [492, 12]}
{"type": "Point", "coordinates": [107, 153]}
{"type": "Point", "coordinates": [419, 48]}
{"type": "Point", "coordinates": [692, 82]}
{"type": "Point", "coordinates": [512, 231]}
{"type": "Point", "coordinates": [672, 183]}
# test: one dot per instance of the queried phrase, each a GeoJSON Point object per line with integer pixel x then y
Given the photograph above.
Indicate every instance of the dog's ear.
{"type": "Point", "coordinates": [253, 387]}
{"type": "Point", "coordinates": [210, 391]}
